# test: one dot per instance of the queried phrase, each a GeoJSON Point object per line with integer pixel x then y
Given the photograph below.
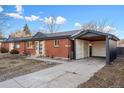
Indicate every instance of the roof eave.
{"type": "Point", "coordinates": [86, 31]}
{"type": "Point", "coordinates": [113, 37]}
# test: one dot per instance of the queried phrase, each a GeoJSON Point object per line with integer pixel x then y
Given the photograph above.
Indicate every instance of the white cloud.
{"type": "Point", "coordinates": [19, 9]}
{"type": "Point", "coordinates": [32, 18]}
{"type": "Point", "coordinates": [15, 15]}
{"type": "Point", "coordinates": [1, 9]}
{"type": "Point", "coordinates": [60, 20]}
{"type": "Point", "coordinates": [77, 24]}
{"type": "Point", "coordinates": [49, 20]}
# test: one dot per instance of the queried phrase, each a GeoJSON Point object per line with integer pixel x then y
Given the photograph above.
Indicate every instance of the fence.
{"type": "Point", "coordinates": [120, 51]}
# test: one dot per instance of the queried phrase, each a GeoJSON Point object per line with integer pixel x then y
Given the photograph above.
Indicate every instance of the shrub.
{"type": "Point", "coordinates": [3, 50]}
{"type": "Point", "coordinates": [14, 51]}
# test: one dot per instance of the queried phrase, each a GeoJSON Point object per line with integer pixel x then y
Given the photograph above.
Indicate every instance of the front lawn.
{"type": "Point", "coordinates": [108, 76]}
{"type": "Point", "coordinates": [15, 65]}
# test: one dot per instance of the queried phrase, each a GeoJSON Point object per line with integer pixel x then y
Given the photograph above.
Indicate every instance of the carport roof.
{"type": "Point", "coordinates": [89, 33]}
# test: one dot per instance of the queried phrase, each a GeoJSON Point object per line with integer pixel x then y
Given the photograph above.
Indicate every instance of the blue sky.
{"type": "Point", "coordinates": [71, 14]}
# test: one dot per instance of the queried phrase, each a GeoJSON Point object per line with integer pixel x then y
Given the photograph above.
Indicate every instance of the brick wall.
{"type": "Point", "coordinates": [5, 45]}
{"type": "Point", "coordinates": [62, 51]}
{"type": "Point", "coordinates": [23, 48]}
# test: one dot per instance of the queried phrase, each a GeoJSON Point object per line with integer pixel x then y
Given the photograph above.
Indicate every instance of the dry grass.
{"type": "Point", "coordinates": [108, 76]}
{"type": "Point", "coordinates": [14, 66]}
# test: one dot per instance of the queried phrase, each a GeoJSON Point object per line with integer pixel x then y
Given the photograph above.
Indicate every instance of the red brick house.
{"type": "Point", "coordinates": [23, 45]}
{"type": "Point", "coordinates": [74, 44]}
{"type": "Point", "coordinates": [1, 39]}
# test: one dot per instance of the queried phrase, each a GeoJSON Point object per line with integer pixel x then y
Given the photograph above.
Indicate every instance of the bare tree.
{"type": "Point", "coordinates": [102, 26]}
{"type": "Point", "coordinates": [53, 24]}
{"type": "Point", "coordinates": [89, 26]}
{"type": "Point", "coordinates": [49, 23]}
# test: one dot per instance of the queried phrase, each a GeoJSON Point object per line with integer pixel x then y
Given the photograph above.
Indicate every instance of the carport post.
{"type": "Point", "coordinates": [107, 51]}
{"type": "Point", "coordinates": [74, 49]}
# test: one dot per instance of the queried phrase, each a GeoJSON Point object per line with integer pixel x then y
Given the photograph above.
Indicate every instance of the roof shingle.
{"type": "Point", "coordinates": [42, 36]}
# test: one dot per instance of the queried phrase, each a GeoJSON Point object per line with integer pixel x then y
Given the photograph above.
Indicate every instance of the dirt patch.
{"type": "Point", "coordinates": [108, 76]}
{"type": "Point", "coordinates": [16, 66]}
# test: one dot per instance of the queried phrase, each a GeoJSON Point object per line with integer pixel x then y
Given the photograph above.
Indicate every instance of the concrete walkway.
{"type": "Point", "coordinates": [68, 75]}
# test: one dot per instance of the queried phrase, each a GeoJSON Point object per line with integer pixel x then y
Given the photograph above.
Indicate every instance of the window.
{"type": "Point", "coordinates": [29, 44]}
{"type": "Point", "coordinates": [56, 43]}
{"type": "Point", "coordinates": [17, 45]}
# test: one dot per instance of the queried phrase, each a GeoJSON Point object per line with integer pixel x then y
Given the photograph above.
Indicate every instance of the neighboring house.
{"type": "Point", "coordinates": [120, 43]}
{"type": "Point", "coordinates": [19, 34]}
{"type": "Point", "coordinates": [72, 44]}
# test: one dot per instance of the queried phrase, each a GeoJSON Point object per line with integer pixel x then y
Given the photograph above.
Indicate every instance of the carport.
{"type": "Point", "coordinates": [94, 44]}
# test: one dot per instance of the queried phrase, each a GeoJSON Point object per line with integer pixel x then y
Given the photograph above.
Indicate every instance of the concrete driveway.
{"type": "Point", "coordinates": [67, 75]}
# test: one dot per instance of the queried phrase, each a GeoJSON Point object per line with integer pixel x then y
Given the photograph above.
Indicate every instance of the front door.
{"type": "Point", "coordinates": [39, 48]}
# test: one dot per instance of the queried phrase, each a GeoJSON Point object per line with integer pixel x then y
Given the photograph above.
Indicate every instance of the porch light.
{"type": "Point", "coordinates": [90, 44]}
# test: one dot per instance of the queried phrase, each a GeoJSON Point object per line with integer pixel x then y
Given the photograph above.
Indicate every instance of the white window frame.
{"type": "Point", "coordinates": [29, 47]}
{"type": "Point", "coordinates": [17, 45]}
{"type": "Point", "coordinates": [58, 42]}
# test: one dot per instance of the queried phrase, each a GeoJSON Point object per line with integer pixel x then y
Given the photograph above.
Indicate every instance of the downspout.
{"type": "Point", "coordinates": [73, 49]}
